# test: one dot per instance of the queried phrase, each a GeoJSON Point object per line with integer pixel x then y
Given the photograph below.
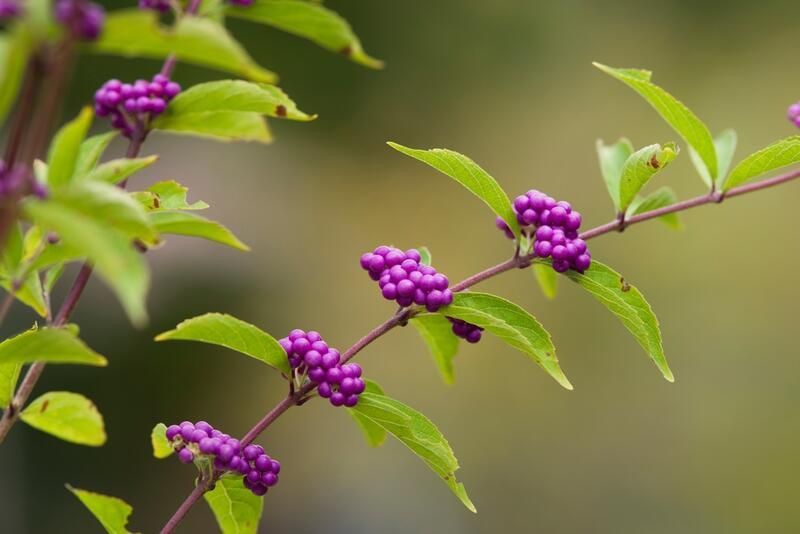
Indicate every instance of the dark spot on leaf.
{"type": "Point", "coordinates": [280, 111]}
{"type": "Point", "coordinates": [156, 202]}
{"type": "Point", "coordinates": [45, 404]}
{"type": "Point", "coordinates": [654, 162]}
{"type": "Point", "coordinates": [446, 477]}
{"type": "Point", "coordinates": [346, 51]}
{"type": "Point", "coordinates": [623, 285]}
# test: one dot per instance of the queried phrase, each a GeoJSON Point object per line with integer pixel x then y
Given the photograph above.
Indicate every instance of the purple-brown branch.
{"type": "Point", "coordinates": [402, 316]}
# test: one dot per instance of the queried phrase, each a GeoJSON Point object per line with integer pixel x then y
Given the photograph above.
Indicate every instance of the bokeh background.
{"type": "Point", "coordinates": [510, 84]}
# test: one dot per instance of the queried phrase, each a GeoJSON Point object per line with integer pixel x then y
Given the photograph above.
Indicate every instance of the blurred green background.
{"type": "Point", "coordinates": [510, 84]}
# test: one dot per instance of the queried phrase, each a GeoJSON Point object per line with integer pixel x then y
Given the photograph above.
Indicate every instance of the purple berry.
{"type": "Point", "coordinates": [198, 435]}
{"type": "Point", "coordinates": [337, 399]}
{"type": "Point", "coordinates": [172, 431]}
{"type": "Point", "coordinates": [225, 452]}
{"type": "Point", "coordinates": [325, 390]}
{"type": "Point", "coordinates": [263, 463]}
{"type": "Point", "coordinates": [209, 445]}
{"type": "Point", "coordinates": [251, 452]}
{"type": "Point", "coordinates": [185, 455]}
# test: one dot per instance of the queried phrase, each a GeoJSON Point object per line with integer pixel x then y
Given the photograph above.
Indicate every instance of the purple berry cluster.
{"type": "Point", "coordinates": [472, 333]}
{"type": "Point", "coordinates": [84, 19]}
{"type": "Point", "coordinates": [404, 279]}
{"type": "Point", "coordinates": [794, 114]}
{"type": "Point", "coordinates": [192, 440]}
{"type": "Point", "coordinates": [340, 383]}
{"type": "Point", "coordinates": [10, 9]}
{"type": "Point", "coordinates": [162, 6]}
{"type": "Point", "coordinates": [131, 105]}
{"type": "Point", "coordinates": [554, 225]}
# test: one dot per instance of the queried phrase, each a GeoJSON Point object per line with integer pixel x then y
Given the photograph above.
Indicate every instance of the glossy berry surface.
{"type": "Point", "coordinates": [403, 278]}
{"type": "Point", "coordinates": [194, 441]}
{"type": "Point", "coordinates": [554, 226]}
{"type": "Point", "coordinates": [131, 107]}
{"type": "Point", "coordinates": [468, 331]}
{"type": "Point", "coordinates": [309, 355]}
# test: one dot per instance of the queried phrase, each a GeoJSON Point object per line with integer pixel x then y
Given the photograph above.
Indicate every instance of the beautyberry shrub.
{"type": "Point", "coordinates": [194, 441]}
{"type": "Point", "coordinates": [309, 355]}
{"type": "Point", "coordinates": [131, 107]}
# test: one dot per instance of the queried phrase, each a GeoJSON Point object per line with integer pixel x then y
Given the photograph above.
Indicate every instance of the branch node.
{"type": "Point", "coordinates": [621, 222]}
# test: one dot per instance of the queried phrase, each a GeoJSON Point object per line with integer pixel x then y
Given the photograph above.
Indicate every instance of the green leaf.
{"type": "Point", "coordinates": [110, 251]}
{"type": "Point", "coordinates": [63, 154]}
{"type": "Point", "coordinates": [470, 175]}
{"type": "Point", "coordinates": [196, 40]}
{"type": "Point", "coordinates": [9, 375]}
{"type": "Point", "coordinates": [417, 433]}
{"type": "Point", "coordinates": [15, 47]}
{"type": "Point", "coordinates": [425, 256]}
{"type": "Point", "coordinates": [56, 254]}
{"type": "Point", "coordinates": [612, 158]}
{"type": "Point", "coordinates": [51, 276]}
{"type": "Point", "coordinates": [311, 21]}
{"type": "Point", "coordinates": [91, 151]}
{"type": "Point", "coordinates": [13, 250]}
{"type": "Point", "coordinates": [374, 433]}
{"type": "Point", "coordinates": [780, 154]}
{"type": "Point", "coordinates": [51, 345]}
{"type": "Point", "coordinates": [234, 95]}
{"type": "Point", "coordinates": [219, 125]}
{"type": "Point", "coordinates": [547, 279]}
{"type": "Point", "coordinates": [228, 331]}
{"type": "Point", "coordinates": [29, 292]}
{"type": "Point", "coordinates": [167, 195]}
{"type": "Point", "coordinates": [629, 305]}
{"type": "Point", "coordinates": [116, 170]}
{"type": "Point", "coordinates": [640, 167]}
{"type": "Point", "coordinates": [510, 323]}
{"type": "Point", "coordinates": [235, 507]}
{"type": "Point", "coordinates": [681, 118]}
{"type": "Point", "coordinates": [725, 146]}
{"type": "Point", "coordinates": [111, 512]}
{"type": "Point", "coordinates": [68, 416]}
{"type": "Point", "coordinates": [108, 205]}
{"type": "Point", "coordinates": [161, 445]}
{"type": "Point", "coordinates": [661, 197]}
{"type": "Point", "coordinates": [437, 333]}
{"type": "Point", "coordinates": [181, 223]}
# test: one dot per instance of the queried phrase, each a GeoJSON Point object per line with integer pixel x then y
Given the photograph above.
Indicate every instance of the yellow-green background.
{"type": "Point", "coordinates": [510, 84]}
